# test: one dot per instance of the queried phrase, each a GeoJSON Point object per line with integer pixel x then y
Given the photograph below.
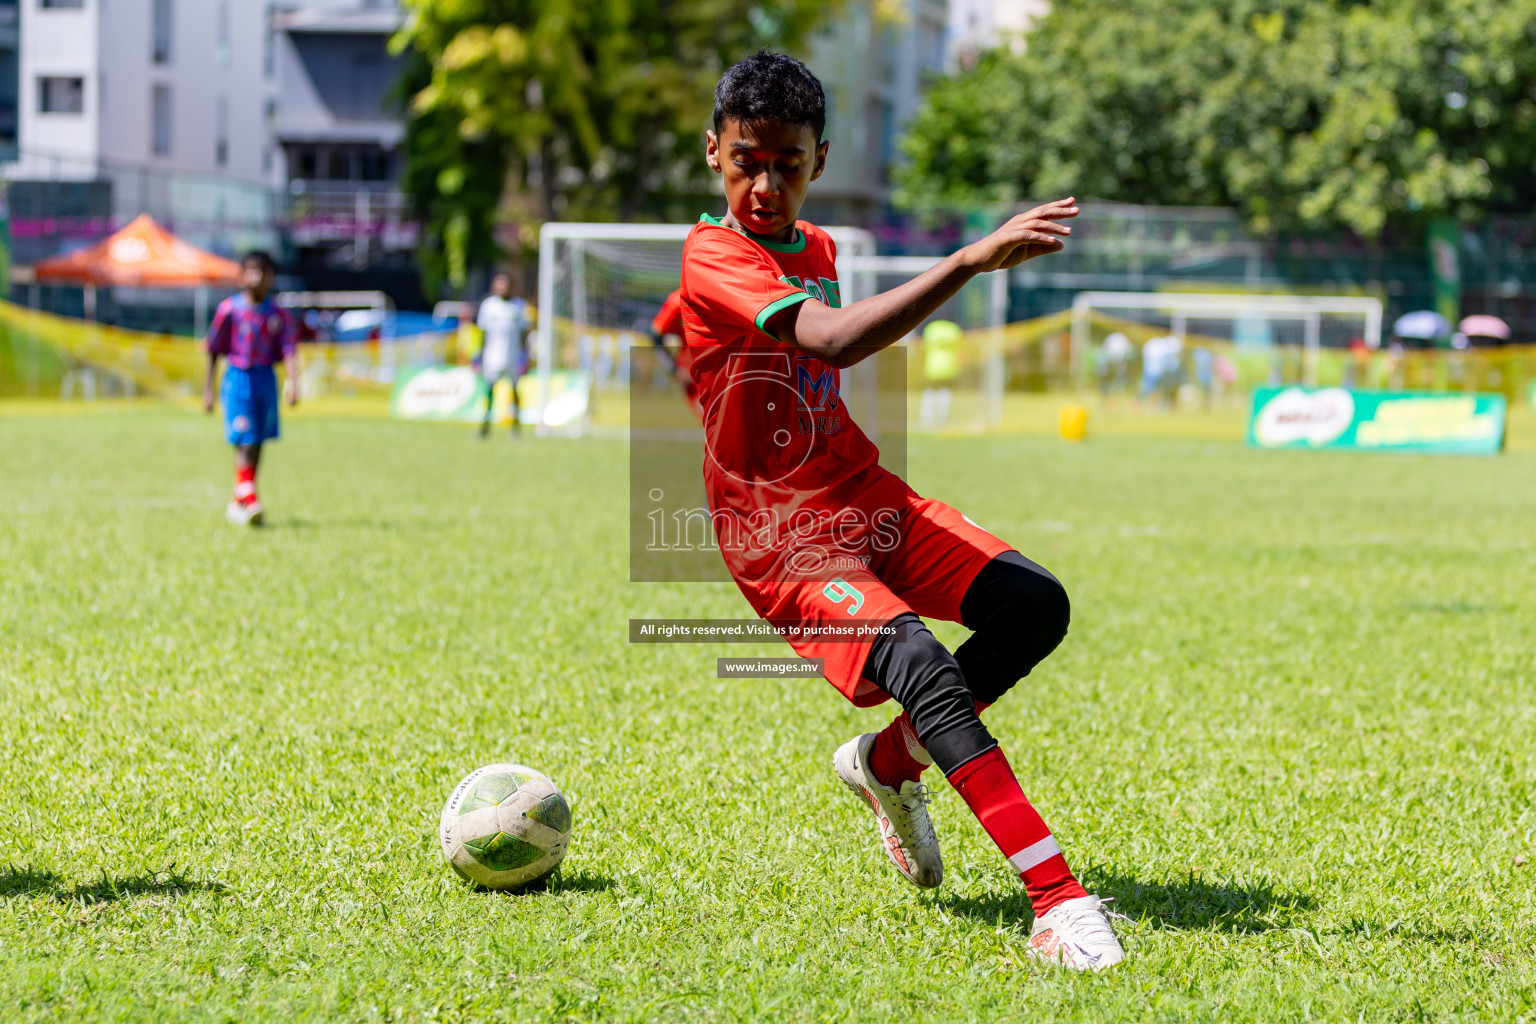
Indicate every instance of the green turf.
{"type": "Point", "coordinates": [1293, 732]}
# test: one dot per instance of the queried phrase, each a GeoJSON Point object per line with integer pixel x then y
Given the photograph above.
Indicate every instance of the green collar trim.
{"type": "Point", "coordinates": [767, 243]}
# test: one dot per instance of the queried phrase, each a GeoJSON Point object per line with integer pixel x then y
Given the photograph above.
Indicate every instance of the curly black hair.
{"type": "Point", "coordinates": [261, 258]}
{"type": "Point", "coordinates": [770, 86]}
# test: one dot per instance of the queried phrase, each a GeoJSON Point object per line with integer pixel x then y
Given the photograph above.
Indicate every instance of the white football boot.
{"type": "Point", "coordinates": [1077, 934]}
{"type": "Point", "coordinates": [243, 515]}
{"type": "Point", "coordinates": [901, 816]}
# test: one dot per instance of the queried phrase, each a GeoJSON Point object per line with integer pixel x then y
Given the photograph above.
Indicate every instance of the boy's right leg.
{"type": "Point", "coordinates": [517, 412]}
{"type": "Point", "coordinates": [914, 668]}
{"type": "Point", "coordinates": [247, 461]}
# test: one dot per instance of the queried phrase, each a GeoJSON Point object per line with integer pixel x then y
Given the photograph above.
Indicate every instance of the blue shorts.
{"type": "Point", "coordinates": [250, 405]}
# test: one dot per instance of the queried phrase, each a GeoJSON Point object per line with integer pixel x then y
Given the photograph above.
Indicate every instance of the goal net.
{"type": "Point", "coordinates": [599, 287]}
{"type": "Point", "coordinates": [1170, 343]}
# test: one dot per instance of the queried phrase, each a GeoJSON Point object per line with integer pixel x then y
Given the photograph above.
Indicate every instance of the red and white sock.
{"type": "Point", "coordinates": [245, 485]}
{"type": "Point", "coordinates": [993, 794]}
{"type": "Point", "coordinates": [897, 755]}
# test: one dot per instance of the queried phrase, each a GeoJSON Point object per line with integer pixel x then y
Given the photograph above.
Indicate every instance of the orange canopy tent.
{"type": "Point", "coordinates": [141, 255]}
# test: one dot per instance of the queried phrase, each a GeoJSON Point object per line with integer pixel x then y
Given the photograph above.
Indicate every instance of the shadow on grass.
{"type": "Point", "coordinates": [559, 883]}
{"type": "Point", "coordinates": [298, 523]}
{"type": "Point", "coordinates": [27, 881]}
{"type": "Point", "coordinates": [578, 881]}
{"type": "Point", "coordinates": [1190, 903]}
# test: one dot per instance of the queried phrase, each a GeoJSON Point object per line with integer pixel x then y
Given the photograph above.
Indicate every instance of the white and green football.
{"type": "Point", "coordinates": [506, 827]}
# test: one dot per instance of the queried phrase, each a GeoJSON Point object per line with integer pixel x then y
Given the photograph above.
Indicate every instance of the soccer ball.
{"type": "Point", "coordinates": [505, 827]}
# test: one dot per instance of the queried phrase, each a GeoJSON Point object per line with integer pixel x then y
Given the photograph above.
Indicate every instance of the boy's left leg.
{"type": "Point", "coordinates": [245, 506]}
{"type": "Point", "coordinates": [250, 409]}
{"type": "Point", "coordinates": [1071, 926]}
{"type": "Point", "coordinates": [517, 412]}
{"type": "Point", "coordinates": [952, 569]}
{"type": "Point", "coordinates": [1019, 614]}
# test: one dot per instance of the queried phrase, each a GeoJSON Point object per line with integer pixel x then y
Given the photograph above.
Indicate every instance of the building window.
{"type": "Point", "coordinates": [340, 162]}
{"type": "Point", "coordinates": [64, 5]}
{"type": "Point", "coordinates": [160, 120]}
{"type": "Point", "coordinates": [338, 166]}
{"type": "Point", "coordinates": [163, 20]}
{"type": "Point", "coordinates": [60, 95]}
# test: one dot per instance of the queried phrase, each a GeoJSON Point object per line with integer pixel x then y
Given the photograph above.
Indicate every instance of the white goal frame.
{"type": "Point", "coordinates": [852, 243]}
{"type": "Point", "coordinates": [1308, 309]}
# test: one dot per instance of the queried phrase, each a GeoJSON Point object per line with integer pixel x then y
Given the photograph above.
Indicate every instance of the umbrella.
{"type": "Point", "coordinates": [1485, 326]}
{"type": "Point", "coordinates": [1425, 325]}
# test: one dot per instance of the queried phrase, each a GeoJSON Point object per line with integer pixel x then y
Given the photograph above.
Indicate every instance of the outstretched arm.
{"type": "Point", "coordinates": [843, 337]}
{"type": "Point", "coordinates": [213, 370]}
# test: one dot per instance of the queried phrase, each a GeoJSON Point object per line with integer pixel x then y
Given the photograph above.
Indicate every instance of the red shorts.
{"type": "Point", "coordinates": [935, 557]}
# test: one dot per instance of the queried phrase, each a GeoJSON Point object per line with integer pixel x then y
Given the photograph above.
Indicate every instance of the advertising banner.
{"type": "Point", "coordinates": [457, 393]}
{"type": "Point", "coordinates": [1445, 266]}
{"type": "Point", "coordinates": [1412, 421]}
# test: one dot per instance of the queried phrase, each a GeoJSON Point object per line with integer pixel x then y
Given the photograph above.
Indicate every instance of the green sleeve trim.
{"type": "Point", "coordinates": [773, 307]}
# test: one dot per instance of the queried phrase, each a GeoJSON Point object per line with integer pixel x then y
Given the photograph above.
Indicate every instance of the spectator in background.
{"type": "Point", "coordinates": [1115, 363]}
{"type": "Point", "coordinates": [252, 333]}
{"type": "Point", "coordinates": [1359, 363]}
{"type": "Point", "coordinates": [941, 365]}
{"type": "Point", "coordinates": [1205, 372]}
{"type": "Point", "coordinates": [505, 320]}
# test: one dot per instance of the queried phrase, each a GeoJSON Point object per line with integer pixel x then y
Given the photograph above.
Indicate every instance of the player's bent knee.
{"type": "Point", "coordinates": [925, 679]}
{"type": "Point", "coordinates": [1020, 613]}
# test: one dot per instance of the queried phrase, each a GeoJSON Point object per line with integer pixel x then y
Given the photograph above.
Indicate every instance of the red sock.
{"type": "Point", "coordinates": [898, 755]}
{"type": "Point", "coordinates": [989, 788]}
{"type": "Point", "coordinates": [245, 484]}
{"type": "Point", "coordinates": [892, 758]}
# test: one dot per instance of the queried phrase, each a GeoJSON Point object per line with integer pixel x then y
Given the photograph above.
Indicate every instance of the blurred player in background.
{"type": "Point", "coordinates": [252, 333]}
{"type": "Point", "coordinates": [668, 323]}
{"type": "Point", "coordinates": [824, 542]}
{"type": "Point", "coordinates": [1115, 363]}
{"type": "Point", "coordinates": [505, 321]}
{"type": "Point", "coordinates": [941, 365]}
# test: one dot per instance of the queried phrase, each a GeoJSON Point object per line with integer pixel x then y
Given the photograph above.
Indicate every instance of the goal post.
{"type": "Point", "coordinates": [599, 286]}
{"type": "Point", "coordinates": [1249, 316]}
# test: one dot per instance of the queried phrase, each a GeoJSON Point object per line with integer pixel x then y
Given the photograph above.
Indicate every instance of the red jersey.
{"type": "Point", "coordinates": [669, 318]}
{"type": "Point", "coordinates": [779, 442]}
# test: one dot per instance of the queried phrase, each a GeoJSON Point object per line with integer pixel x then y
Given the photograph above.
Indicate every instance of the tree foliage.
{"type": "Point", "coordinates": [548, 108]}
{"type": "Point", "coordinates": [1301, 113]}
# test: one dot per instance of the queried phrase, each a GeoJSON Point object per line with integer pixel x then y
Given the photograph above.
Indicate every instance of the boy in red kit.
{"type": "Point", "coordinates": [252, 333]}
{"type": "Point", "coordinates": [668, 322]}
{"type": "Point", "coordinates": [819, 537]}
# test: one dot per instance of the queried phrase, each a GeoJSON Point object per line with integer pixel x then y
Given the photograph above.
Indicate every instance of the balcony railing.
{"type": "Point", "coordinates": [316, 213]}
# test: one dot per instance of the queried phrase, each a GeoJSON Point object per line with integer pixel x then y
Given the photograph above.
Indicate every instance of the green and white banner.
{"type": "Point", "coordinates": [439, 393]}
{"type": "Point", "coordinates": [1414, 421]}
{"type": "Point", "coordinates": [458, 393]}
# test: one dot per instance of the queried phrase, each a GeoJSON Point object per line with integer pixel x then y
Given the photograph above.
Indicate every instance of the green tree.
{"type": "Point", "coordinates": [1301, 113]}
{"type": "Point", "coordinates": [539, 109]}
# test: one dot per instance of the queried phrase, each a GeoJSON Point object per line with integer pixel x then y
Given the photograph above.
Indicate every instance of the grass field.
{"type": "Point", "coordinates": [1292, 732]}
